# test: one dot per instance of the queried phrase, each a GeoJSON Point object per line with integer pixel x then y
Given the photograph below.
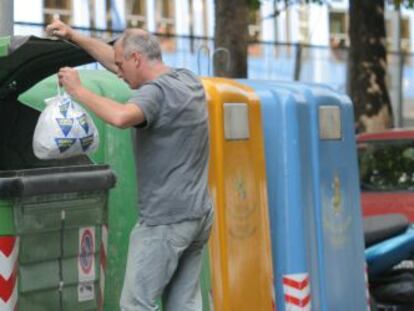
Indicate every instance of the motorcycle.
{"type": "Point", "coordinates": [389, 254]}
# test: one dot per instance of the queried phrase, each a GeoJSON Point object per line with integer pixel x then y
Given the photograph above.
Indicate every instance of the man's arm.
{"type": "Point", "coordinates": [112, 112]}
{"type": "Point", "coordinates": [117, 114]}
{"type": "Point", "coordinates": [98, 49]}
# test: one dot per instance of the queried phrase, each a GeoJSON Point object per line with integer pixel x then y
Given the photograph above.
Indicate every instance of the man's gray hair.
{"type": "Point", "coordinates": [138, 40]}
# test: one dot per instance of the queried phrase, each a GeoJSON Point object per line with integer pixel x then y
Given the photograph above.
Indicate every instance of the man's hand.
{"type": "Point", "coordinates": [59, 29]}
{"type": "Point", "coordinates": [69, 79]}
{"type": "Point", "coordinates": [98, 49]}
{"type": "Point", "coordinates": [117, 114]}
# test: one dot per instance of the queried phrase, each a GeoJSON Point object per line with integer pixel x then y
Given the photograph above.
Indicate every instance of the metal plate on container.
{"type": "Point", "coordinates": [330, 127]}
{"type": "Point", "coordinates": [236, 121]}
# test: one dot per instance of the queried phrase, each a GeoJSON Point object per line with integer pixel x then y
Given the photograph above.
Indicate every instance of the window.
{"type": "Point", "coordinates": [136, 15]}
{"type": "Point", "coordinates": [254, 32]}
{"type": "Point", "coordinates": [254, 25]}
{"type": "Point", "coordinates": [338, 29]}
{"type": "Point", "coordinates": [405, 34]}
{"type": "Point", "coordinates": [164, 16]}
{"type": "Point", "coordinates": [62, 8]}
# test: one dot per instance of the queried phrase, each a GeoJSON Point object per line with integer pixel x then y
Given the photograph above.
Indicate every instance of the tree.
{"type": "Point", "coordinates": [367, 66]}
{"type": "Point", "coordinates": [231, 33]}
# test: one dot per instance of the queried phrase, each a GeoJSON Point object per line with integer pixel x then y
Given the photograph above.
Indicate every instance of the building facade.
{"type": "Point", "coordinates": [312, 24]}
{"type": "Point", "coordinates": [320, 29]}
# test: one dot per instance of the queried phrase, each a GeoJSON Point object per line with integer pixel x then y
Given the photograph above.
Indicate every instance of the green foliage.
{"type": "Point", "coordinates": [406, 3]}
{"type": "Point", "coordinates": [387, 166]}
{"type": "Point", "coordinates": [253, 4]}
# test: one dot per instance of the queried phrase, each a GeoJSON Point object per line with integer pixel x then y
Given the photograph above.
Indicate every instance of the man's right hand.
{"type": "Point", "coordinates": [59, 29]}
{"type": "Point", "coordinates": [99, 50]}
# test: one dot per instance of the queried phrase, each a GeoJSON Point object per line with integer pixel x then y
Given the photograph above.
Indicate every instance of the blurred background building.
{"type": "Point", "coordinates": [299, 42]}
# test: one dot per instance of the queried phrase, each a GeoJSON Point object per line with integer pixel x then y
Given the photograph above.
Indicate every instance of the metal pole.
{"type": "Point", "coordinates": [298, 62]}
{"type": "Point", "coordinates": [191, 20]}
{"type": "Point", "coordinates": [6, 18]}
{"type": "Point", "coordinates": [400, 119]}
{"type": "Point", "coordinates": [396, 69]}
{"type": "Point", "coordinates": [401, 92]}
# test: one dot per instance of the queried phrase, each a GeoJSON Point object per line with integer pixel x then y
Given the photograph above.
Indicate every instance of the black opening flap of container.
{"type": "Point", "coordinates": [31, 59]}
{"type": "Point", "coordinates": [42, 181]}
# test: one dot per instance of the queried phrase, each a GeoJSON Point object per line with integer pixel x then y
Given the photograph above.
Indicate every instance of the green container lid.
{"type": "Point", "coordinates": [4, 45]}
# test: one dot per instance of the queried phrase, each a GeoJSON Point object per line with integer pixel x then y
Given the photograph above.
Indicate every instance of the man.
{"type": "Point", "coordinates": [169, 120]}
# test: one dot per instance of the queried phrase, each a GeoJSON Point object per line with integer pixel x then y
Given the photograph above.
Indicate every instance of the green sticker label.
{"type": "Point", "coordinates": [86, 142]}
{"type": "Point", "coordinates": [64, 143]}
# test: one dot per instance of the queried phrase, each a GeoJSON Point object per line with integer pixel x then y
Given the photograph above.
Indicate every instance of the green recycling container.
{"type": "Point", "coordinates": [115, 149]}
{"type": "Point", "coordinates": [52, 237]}
{"type": "Point", "coordinates": [4, 45]}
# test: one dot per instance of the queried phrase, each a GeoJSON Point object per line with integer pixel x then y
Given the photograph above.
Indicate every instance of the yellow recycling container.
{"type": "Point", "coordinates": [240, 253]}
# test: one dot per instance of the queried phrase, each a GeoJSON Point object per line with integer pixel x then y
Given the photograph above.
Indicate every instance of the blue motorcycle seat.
{"type": "Point", "coordinates": [386, 254]}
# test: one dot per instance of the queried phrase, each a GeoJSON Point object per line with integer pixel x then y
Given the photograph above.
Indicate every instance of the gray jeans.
{"type": "Point", "coordinates": [165, 262]}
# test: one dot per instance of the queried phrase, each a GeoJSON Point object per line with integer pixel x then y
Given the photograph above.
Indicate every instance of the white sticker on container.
{"type": "Point", "coordinates": [236, 121]}
{"type": "Point", "coordinates": [86, 254]}
{"type": "Point", "coordinates": [330, 127]}
{"type": "Point", "coordinates": [86, 291]}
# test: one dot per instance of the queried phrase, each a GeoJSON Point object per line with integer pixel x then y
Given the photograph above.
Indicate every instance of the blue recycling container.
{"type": "Point", "coordinates": [313, 194]}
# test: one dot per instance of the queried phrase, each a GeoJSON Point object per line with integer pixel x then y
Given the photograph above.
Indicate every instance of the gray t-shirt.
{"type": "Point", "coordinates": [172, 149]}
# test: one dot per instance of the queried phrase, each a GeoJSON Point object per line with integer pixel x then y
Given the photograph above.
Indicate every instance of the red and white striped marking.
{"type": "Point", "coordinates": [9, 251]}
{"type": "Point", "coordinates": [103, 253]}
{"type": "Point", "coordinates": [367, 289]}
{"type": "Point", "coordinates": [210, 299]}
{"type": "Point", "coordinates": [296, 288]}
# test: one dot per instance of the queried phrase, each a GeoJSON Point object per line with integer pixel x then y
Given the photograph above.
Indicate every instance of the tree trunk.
{"type": "Point", "coordinates": [231, 33]}
{"type": "Point", "coordinates": [368, 65]}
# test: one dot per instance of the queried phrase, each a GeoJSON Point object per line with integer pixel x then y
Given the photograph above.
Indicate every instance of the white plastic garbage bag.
{"type": "Point", "coordinates": [64, 130]}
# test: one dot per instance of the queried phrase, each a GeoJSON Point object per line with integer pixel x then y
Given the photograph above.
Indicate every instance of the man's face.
{"type": "Point", "coordinates": [127, 66]}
